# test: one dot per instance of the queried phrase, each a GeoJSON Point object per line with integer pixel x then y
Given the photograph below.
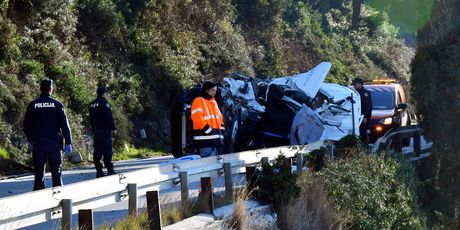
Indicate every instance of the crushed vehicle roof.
{"type": "Point", "coordinates": [299, 109]}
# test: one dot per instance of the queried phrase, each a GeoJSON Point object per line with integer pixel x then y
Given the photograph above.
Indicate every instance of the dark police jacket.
{"type": "Point", "coordinates": [366, 103]}
{"type": "Point", "coordinates": [100, 115]}
{"type": "Point", "coordinates": [45, 121]}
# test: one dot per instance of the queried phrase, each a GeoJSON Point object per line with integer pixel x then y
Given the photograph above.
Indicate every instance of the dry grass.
{"type": "Point", "coordinates": [312, 210]}
{"type": "Point", "coordinates": [240, 215]}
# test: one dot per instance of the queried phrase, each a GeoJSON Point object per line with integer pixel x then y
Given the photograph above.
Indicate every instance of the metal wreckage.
{"type": "Point", "coordinates": [268, 112]}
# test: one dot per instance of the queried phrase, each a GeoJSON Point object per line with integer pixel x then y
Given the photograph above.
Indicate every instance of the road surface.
{"type": "Point", "coordinates": [107, 215]}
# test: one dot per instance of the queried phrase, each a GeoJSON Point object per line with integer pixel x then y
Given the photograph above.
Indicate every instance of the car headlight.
{"type": "Point", "coordinates": [387, 121]}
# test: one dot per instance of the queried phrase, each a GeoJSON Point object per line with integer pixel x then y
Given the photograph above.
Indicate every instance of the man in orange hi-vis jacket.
{"type": "Point", "coordinates": [208, 122]}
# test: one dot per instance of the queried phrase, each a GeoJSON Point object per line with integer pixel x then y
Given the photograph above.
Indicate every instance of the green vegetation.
{"type": "Point", "coordinates": [4, 154]}
{"type": "Point", "coordinates": [363, 191]}
{"type": "Point", "coordinates": [436, 88]}
{"type": "Point", "coordinates": [316, 159]}
{"type": "Point", "coordinates": [147, 51]}
{"type": "Point", "coordinates": [131, 152]}
{"type": "Point", "coordinates": [277, 184]}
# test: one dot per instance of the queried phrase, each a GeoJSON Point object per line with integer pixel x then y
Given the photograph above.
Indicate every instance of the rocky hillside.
{"type": "Point", "coordinates": [146, 51]}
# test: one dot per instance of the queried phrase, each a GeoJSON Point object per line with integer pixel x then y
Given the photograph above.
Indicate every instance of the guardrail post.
{"type": "Point", "coordinates": [331, 151]}
{"type": "Point", "coordinates": [417, 143]}
{"type": "Point", "coordinates": [299, 163]}
{"type": "Point", "coordinates": [154, 210]}
{"type": "Point", "coordinates": [228, 180]}
{"type": "Point", "coordinates": [85, 219]}
{"type": "Point", "coordinates": [132, 202]}
{"type": "Point", "coordinates": [399, 145]}
{"type": "Point", "coordinates": [66, 221]}
{"type": "Point", "coordinates": [265, 161]}
{"type": "Point", "coordinates": [184, 187]}
{"type": "Point", "coordinates": [250, 178]}
{"type": "Point", "coordinates": [207, 197]}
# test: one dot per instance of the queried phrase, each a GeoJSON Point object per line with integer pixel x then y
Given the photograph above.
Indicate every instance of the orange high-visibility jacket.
{"type": "Point", "coordinates": [208, 123]}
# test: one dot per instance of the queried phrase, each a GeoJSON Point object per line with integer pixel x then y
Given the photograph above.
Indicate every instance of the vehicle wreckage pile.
{"type": "Point", "coordinates": [267, 112]}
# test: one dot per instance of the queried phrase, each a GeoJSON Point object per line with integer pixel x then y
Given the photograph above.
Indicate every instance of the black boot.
{"type": "Point", "coordinates": [100, 174]}
{"type": "Point", "coordinates": [111, 172]}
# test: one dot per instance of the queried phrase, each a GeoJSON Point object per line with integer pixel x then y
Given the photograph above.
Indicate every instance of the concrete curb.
{"type": "Point", "coordinates": [199, 221]}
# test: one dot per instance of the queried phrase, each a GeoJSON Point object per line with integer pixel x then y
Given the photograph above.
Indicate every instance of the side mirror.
{"type": "Point", "coordinates": [401, 106]}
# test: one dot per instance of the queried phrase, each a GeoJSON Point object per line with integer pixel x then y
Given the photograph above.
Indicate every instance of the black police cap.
{"type": "Point", "coordinates": [45, 85]}
{"type": "Point", "coordinates": [101, 90]}
{"type": "Point", "coordinates": [358, 80]}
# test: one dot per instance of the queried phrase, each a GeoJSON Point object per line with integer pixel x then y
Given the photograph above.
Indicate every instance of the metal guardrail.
{"type": "Point", "coordinates": [395, 138]}
{"type": "Point", "coordinates": [61, 202]}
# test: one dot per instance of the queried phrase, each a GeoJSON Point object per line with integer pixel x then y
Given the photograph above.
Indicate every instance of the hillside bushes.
{"type": "Point", "coordinates": [146, 52]}
{"type": "Point", "coordinates": [363, 192]}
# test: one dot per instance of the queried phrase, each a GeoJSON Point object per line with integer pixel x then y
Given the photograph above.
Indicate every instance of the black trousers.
{"type": "Point", "coordinates": [363, 132]}
{"type": "Point", "coordinates": [103, 150]}
{"type": "Point", "coordinates": [42, 152]}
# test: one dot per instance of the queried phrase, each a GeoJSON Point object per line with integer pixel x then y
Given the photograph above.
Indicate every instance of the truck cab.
{"type": "Point", "coordinates": [389, 107]}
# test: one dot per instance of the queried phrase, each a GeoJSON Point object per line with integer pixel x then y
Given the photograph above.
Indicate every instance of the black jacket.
{"type": "Point", "coordinates": [366, 102]}
{"type": "Point", "coordinates": [100, 115]}
{"type": "Point", "coordinates": [45, 120]}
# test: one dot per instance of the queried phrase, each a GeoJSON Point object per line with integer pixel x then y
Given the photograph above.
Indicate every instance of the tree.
{"type": "Point", "coordinates": [356, 13]}
{"type": "Point", "coordinates": [436, 87]}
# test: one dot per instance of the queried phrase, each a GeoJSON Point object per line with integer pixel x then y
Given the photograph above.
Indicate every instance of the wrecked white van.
{"type": "Point", "coordinates": [297, 109]}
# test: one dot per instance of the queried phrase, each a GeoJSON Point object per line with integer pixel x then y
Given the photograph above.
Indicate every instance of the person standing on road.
{"type": "Point", "coordinates": [45, 122]}
{"type": "Point", "coordinates": [208, 122]}
{"type": "Point", "coordinates": [103, 127]}
{"type": "Point", "coordinates": [366, 106]}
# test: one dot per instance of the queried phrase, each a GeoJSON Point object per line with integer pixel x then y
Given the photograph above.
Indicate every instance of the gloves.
{"type": "Point", "coordinates": [68, 150]}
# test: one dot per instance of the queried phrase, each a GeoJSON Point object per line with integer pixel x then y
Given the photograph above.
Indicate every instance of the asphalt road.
{"type": "Point", "coordinates": [107, 215]}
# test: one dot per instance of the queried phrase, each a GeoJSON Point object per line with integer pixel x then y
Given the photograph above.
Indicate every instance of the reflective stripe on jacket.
{"type": "Point", "coordinates": [208, 123]}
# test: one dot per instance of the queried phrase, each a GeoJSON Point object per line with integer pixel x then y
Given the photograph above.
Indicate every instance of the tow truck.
{"type": "Point", "coordinates": [389, 107]}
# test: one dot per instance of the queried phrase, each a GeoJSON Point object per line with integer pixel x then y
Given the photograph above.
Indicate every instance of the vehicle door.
{"type": "Point", "coordinates": [401, 113]}
{"type": "Point", "coordinates": [405, 120]}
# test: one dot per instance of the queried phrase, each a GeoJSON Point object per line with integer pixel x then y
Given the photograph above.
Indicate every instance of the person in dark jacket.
{"type": "Point", "coordinates": [103, 127]}
{"type": "Point", "coordinates": [366, 106]}
{"type": "Point", "coordinates": [45, 122]}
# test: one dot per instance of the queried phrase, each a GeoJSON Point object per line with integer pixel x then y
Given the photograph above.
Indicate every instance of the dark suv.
{"type": "Point", "coordinates": [389, 108]}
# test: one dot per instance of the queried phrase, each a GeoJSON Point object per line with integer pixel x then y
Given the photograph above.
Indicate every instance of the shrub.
{"type": "Point", "coordinates": [373, 192]}
{"type": "Point", "coordinates": [4, 154]}
{"type": "Point", "coordinates": [347, 145]}
{"type": "Point", "coordinates": [277, 184]}
{"type": "Point", "coordinates": [312, 210]}
{"type": "Point", "coordinates": [316, 158]}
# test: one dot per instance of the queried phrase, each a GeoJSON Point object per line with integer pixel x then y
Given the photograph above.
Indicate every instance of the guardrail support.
{"type": "Point", "coordinates": [132, 202]}
{"type": "Point", "coordinates": [265, 161]}
{"type": "Point", "coordinates": [417, 143]}
{"type": "Point", "coordinates": [207, 197]}
{"type": "Point", "coordinates": [250, 178]}
{"type": "Point", "coordinates": [228, 180]}
{"type": "Point", "coordinates": [66, 221]}
{"type": "Point", "coordinates": [299, 163]}
{"type": "Point", "coordinates": [154, 210]}
{"type": "Point", "coordinates": [184, 187]}
{"type": "Point", "coordinates": [85, 219]}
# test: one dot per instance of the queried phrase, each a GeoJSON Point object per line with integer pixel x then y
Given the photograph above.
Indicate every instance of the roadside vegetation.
{"type": "Point", "coordinates": [146, 52]}
{"type": "Point", "coordinates": [130, 152]}
{"type": "Point", "coordinates": [356, 191]}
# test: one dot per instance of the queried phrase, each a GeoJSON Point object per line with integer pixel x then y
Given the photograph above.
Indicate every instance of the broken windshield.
{"type": "Point", "coordinates": [382, 100]}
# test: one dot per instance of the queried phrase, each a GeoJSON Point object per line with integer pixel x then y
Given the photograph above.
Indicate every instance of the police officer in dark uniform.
{"type": "Point", "coordinates": [44, 124]}
{"type": "Point", "coordinates": [103, 127]}
{"type": "Point", "coordinates": [366, 106]}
